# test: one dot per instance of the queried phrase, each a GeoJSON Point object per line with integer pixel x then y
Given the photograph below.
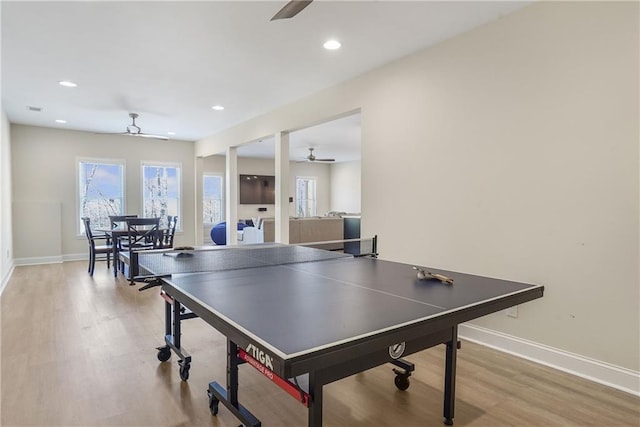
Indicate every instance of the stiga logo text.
{"type": "Point", "coordinates": [260, 356]}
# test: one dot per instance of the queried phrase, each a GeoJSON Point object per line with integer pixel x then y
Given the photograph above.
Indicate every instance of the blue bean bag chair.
{"type": "Point", "coordinates": [219, 232]}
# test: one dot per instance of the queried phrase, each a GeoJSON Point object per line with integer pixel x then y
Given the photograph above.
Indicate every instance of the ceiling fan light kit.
{"type": "Point", "coordinates": [133, 128]}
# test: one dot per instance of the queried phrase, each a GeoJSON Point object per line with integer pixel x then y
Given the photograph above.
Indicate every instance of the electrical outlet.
{"type": "Point", "coordinates": [513, 311]}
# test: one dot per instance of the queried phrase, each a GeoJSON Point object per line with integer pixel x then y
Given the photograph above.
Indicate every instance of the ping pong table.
{"type": "Point", "coordinates": [305, 317]}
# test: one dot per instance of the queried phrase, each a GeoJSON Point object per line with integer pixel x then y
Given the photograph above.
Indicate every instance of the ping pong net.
{"type": "Point", "coordinates": [164, 263]}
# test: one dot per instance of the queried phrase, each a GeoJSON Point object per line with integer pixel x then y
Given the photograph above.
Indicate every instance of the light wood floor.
{"type": "Point", "coordinates": [81, 351]}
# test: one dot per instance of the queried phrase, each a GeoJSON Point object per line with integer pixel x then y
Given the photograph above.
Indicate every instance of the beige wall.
{"type": "Point", "coordinates": [514, 151]}
{"type": "Point", "coordinates": [347, 176]}
{"type": "Point", "coordinates": [216, 164]}
{"type": "Point", "coordinates": [323, 174]}
{"type": "Point", "coordinates": [346, 187]}
{"type": "Point", "coordinates": [6, 234]}
{"type": "Point", "coordinates": [245, 166]}
{"type": "Point", "coordinates": [44, 177]}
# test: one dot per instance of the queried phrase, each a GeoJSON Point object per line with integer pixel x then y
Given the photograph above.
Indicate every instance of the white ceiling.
{"type": "Point", "coordinates": [338, 139]}
{"type": "Point", "coordinates": [172, 61]}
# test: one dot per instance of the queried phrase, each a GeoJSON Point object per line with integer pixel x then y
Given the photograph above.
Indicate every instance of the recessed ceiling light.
{"type": "Point", "coordinates": [332, 44]}
{"type": "Point", "coordinates": [67, 83]}
{"type": "Point", "coordinates": [61, 121]}
{"type": "Point", "coordinates": [171, 133]}
{"type": "Point", "coordinates": [218, 107]}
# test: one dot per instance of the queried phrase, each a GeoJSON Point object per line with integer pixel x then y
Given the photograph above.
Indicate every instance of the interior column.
{"type": "Point", "coordinates": [199, 226]}
{"type": "Point", "coordinates": [282, 187]}
{"type": "Point", "coordinates": [231, 190]}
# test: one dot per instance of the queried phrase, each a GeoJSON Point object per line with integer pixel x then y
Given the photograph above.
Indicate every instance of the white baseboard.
{"type": "Point", "coordinates": [52, 259]}
{"type": "Point", "coordinates": [76, 257]}
{"type": "Point", "coordinates": [6, 278]}
{"type": "Point", "coordinates": [39, 260]}
{"type": "Point", "coordinates": [617, 377]}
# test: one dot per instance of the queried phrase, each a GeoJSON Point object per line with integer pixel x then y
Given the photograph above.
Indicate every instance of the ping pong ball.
{"type": "Point", "coordinates": [421, 274]}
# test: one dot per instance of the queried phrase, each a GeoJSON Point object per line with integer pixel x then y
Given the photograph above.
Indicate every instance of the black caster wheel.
{"type": "Point", "coordinates": [213, 404]}
{"type": "Point", "coordinates": [164, 353]}
{"type": "Point", "coordinates": [402, 382]}
{"type": "Point", "coordinates": [184, 371]}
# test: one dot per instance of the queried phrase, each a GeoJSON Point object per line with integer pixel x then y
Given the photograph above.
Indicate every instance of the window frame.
{"type": "Point", "coordinates": [80, 232]}
{"type": "Point", "coordinates": [153, 163]}
{"type": "Point", "coordinates": [222, 195]}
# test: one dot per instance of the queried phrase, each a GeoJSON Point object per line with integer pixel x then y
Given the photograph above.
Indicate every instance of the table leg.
{"type": "Point", "coordinates": [185, 361]}
{"type": "Point", "coordinates": [232, 373]}
{"type": "Point", "coordinates": [229, 397]}
{"type": "Point", "coordinates": [176, 323]}
{"type": "Point", "coordinates": [116, 259]}
{"type": "Point", "coordinates": [164, 353]}
{"type": "Point", "coordinates": [315, 403]}
{"type": "Point", "coordinates": [450, 376]}
{"type": "Point", "coordinates": [168, 318]}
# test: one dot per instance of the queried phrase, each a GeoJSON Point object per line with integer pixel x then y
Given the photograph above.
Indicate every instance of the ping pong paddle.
{"type": "Point", "coordinates": [423, 274]}
{"type": "Point", "coordinates": [180, 251]}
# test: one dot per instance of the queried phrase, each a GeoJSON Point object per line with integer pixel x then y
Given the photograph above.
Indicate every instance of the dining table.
{"type": "Point", "coordinates": [116, 233]}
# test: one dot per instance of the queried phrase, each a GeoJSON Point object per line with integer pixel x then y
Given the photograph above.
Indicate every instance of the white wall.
{"type": "Point", "coordinates": [44, 177]}
{"type": "Point", "coordinates": [6, 234]}
{"type": "Point", "coordinates": [514, 150]}
{"type": "Point", "coordinates": [346, 187]}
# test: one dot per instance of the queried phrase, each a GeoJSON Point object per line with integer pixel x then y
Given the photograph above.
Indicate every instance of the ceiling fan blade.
{"type": "Point", "coordinates": [134, 130]}
{"type": "Point", "coordinates": [146, 135]}
{"type": "Point", "coordinates": [312, 158]}
{"type": "Point", "coordinates": [111, 133]}
{"type": "Point", "coordinates": [291, 9]}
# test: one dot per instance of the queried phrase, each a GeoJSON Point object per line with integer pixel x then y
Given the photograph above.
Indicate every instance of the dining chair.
{"type": "Point", "coordinates": [142, 234]}
{"type": "Point", "coordinates": [167, 236]}
{"type": "Point", "coordinates": [116, 219]}
{"type": "Point", "coordinates": [94, 249]}
{"type": "Point", "coordinates": [114, 222]}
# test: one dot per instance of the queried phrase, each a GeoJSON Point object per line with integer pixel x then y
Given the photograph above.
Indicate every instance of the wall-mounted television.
{"type": "Point", "coordinates": [257, 190]}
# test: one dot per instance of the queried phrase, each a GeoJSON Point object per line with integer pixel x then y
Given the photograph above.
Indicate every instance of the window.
{"type": "Point", "coordinates": [212, 196]}
{"type": "Point", "coordinates": [161, 191]}
{"type": "Point", "coordinates": [100, 191]}
{"type": "Point", "coordinates": [306, 201]}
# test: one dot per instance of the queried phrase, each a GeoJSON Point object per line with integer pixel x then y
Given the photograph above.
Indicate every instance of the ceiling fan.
{"type": "Point", "coordinates": [134, 130]}
{"type": "Point", "coordinates": [291, 9]}
{"type": "Point", "coordinates": [312, 158]}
